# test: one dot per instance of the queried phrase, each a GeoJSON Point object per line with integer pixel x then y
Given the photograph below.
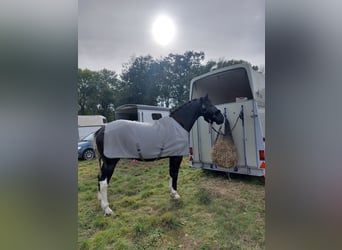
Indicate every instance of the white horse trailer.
{"type": "Point", "coordinates": [89, 123]}
{"type": "Point", "coordinates": [239, 92]}
{"type": "Point", "coordinates": [141, 113]}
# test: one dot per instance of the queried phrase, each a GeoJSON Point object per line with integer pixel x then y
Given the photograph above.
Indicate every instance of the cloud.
{"type": "Point", "coordinates": [110, 32]}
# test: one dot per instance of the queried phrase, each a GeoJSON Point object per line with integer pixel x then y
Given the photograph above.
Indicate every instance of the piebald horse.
{"type": "Point", "coordinates": [184, 117]}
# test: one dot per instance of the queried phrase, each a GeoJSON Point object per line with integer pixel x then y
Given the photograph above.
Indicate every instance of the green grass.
{"type": "Point", "coordinates": [213, 212]}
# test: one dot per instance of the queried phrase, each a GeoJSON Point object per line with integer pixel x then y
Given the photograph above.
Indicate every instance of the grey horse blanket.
{"type": "Point", "coordinates": [131, 139]}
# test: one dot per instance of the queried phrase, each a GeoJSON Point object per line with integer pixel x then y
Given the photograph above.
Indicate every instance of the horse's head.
{"type": "Point", "coordinates": [209, 112]}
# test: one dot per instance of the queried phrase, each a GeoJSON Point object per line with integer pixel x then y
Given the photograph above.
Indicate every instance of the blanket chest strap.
{"type": "Point", "coordinates": [139, 152]}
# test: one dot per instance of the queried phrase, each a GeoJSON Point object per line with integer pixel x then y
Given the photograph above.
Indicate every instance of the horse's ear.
{"type": "Point", "coordinates": [203, 99]}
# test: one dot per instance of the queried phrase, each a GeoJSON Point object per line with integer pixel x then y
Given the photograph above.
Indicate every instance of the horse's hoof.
{"type": "Point", "coordinates": [176, 197]}
{"type": "Point", "coordinates": [108, 211]}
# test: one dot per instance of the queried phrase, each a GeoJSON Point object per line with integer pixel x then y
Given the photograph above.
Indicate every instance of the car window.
{"type": "Point", "coordinates": [88, 137]}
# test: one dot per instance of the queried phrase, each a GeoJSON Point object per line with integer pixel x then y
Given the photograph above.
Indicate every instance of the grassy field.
{"type": "Point", "coordinates": [213, 212]}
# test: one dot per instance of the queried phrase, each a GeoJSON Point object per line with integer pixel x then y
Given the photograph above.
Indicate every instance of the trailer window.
{"type": "Point", "coordinates": [126, 116]}
{"type": "Point", "coordinates": [156, 116]}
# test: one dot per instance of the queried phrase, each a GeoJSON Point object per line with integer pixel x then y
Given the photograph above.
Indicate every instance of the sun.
{"type": "Point", "coordinates": [163, 30]}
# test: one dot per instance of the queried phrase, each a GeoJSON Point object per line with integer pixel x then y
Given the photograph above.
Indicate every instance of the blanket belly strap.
{"type": "Point", "coordinates": [141, 156]}
{"type": "Point", "coordinates": [139, 152]}
{"type": "Point", "coordinates": [161, 152]}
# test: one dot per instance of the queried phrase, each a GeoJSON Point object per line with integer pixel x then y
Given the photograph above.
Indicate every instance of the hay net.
{"type": "Point", "coordinates": [224, 152]}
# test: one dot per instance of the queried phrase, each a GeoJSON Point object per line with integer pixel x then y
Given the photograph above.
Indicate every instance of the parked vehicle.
{"type": "Point", "coordinates": [239, 92]}
{"type": "Point", "coordinates": [141, 113]}
{"type": "Point", "coordinates": [89, 123]}
{"type": "Point", "coordinates": [86, 147]}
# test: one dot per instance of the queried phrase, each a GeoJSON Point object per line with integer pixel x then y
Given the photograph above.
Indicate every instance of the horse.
{"type": "Point", "coordinates": [172, 144]}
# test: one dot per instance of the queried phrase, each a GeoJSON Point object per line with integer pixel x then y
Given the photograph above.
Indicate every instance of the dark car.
{"type": "Point", "coordinates": [86, 147]}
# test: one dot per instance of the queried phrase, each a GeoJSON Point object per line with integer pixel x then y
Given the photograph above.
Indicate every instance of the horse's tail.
{"type": "Point", "coordinates": [97, 154]}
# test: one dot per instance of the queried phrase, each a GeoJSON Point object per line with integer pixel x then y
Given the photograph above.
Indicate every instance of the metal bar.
{"type": "Point", "coordinates": [243, 134]}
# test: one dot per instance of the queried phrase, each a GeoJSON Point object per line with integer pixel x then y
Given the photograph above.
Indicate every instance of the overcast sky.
{"type": "Point", "coordinates": [110, 32]}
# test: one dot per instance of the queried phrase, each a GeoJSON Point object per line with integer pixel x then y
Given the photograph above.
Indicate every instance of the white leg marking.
{"type": "Point", "coordinates": [176, 196]}
{"type": "Point", "coordinates": [108, 211]}
{"type": "Point", "coordinates": [174, 193]}
{"type": "Point", "coordinates": [103, 197]}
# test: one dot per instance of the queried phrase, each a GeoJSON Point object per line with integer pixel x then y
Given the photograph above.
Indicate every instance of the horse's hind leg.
{"type": "Point", "coordinates": [107, 170]}
{"type": "Point", "coordinates": [175, 162]}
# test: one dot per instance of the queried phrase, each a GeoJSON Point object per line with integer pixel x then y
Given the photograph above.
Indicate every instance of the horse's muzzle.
{"type": "Point", "coordinates": [218, 118]}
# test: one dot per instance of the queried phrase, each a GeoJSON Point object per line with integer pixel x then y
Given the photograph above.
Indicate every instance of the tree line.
{"type": "Point", "coordinates": [144, 80]}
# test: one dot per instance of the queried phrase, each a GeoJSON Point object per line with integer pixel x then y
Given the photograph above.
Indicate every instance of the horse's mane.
{"type": "Point", "coordinates": [181, 106]}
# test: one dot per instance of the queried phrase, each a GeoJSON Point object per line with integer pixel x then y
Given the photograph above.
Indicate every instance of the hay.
{"type": "Point", "coordinates": [224, 152]}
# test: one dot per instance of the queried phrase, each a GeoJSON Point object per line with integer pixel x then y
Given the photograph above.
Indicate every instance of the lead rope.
{"type": "Point", "coordinates": [219, 130]}
{"type": "Point", "coordinates": [237, 119]}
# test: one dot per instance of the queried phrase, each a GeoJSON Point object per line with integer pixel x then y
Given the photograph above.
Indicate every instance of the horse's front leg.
{"type": "Point", "coordinates": [107, 171]}
{"type": "Point", "coordinates": [175, 162]}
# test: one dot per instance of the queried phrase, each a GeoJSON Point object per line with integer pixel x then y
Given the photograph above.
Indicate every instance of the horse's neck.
{"type": "Point", "coordinates": [187, 115]}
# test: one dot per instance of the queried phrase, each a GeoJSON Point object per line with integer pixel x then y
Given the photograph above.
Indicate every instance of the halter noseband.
{"type": "Point", "coordinates": [206, 114]}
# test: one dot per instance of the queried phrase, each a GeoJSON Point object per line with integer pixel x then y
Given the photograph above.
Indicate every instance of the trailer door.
{"type": "Point", "coordinates": [243, 133]}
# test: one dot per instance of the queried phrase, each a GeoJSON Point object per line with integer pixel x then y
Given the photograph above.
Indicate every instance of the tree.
{"type": "Point", "coordinates": [86, 87]}
{"type": "Point", "coordinates": [106, 95]}
{"type": "Point", "coordinates": [144, 80]}
{"type": "Point", "coordinates": [179, 70]}
{"type": "Point", "coordinates": [164, 82]}
{"type": "Point", "coordinates": [96, 92]}
{"type": "Point", "coordinates": [139, 81]}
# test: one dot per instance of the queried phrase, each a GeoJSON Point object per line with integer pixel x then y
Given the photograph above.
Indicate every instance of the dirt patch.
{"type": "Point", "coordinates": [223, 187]}
{"type": "Point", "coordinates": [242, 192]}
